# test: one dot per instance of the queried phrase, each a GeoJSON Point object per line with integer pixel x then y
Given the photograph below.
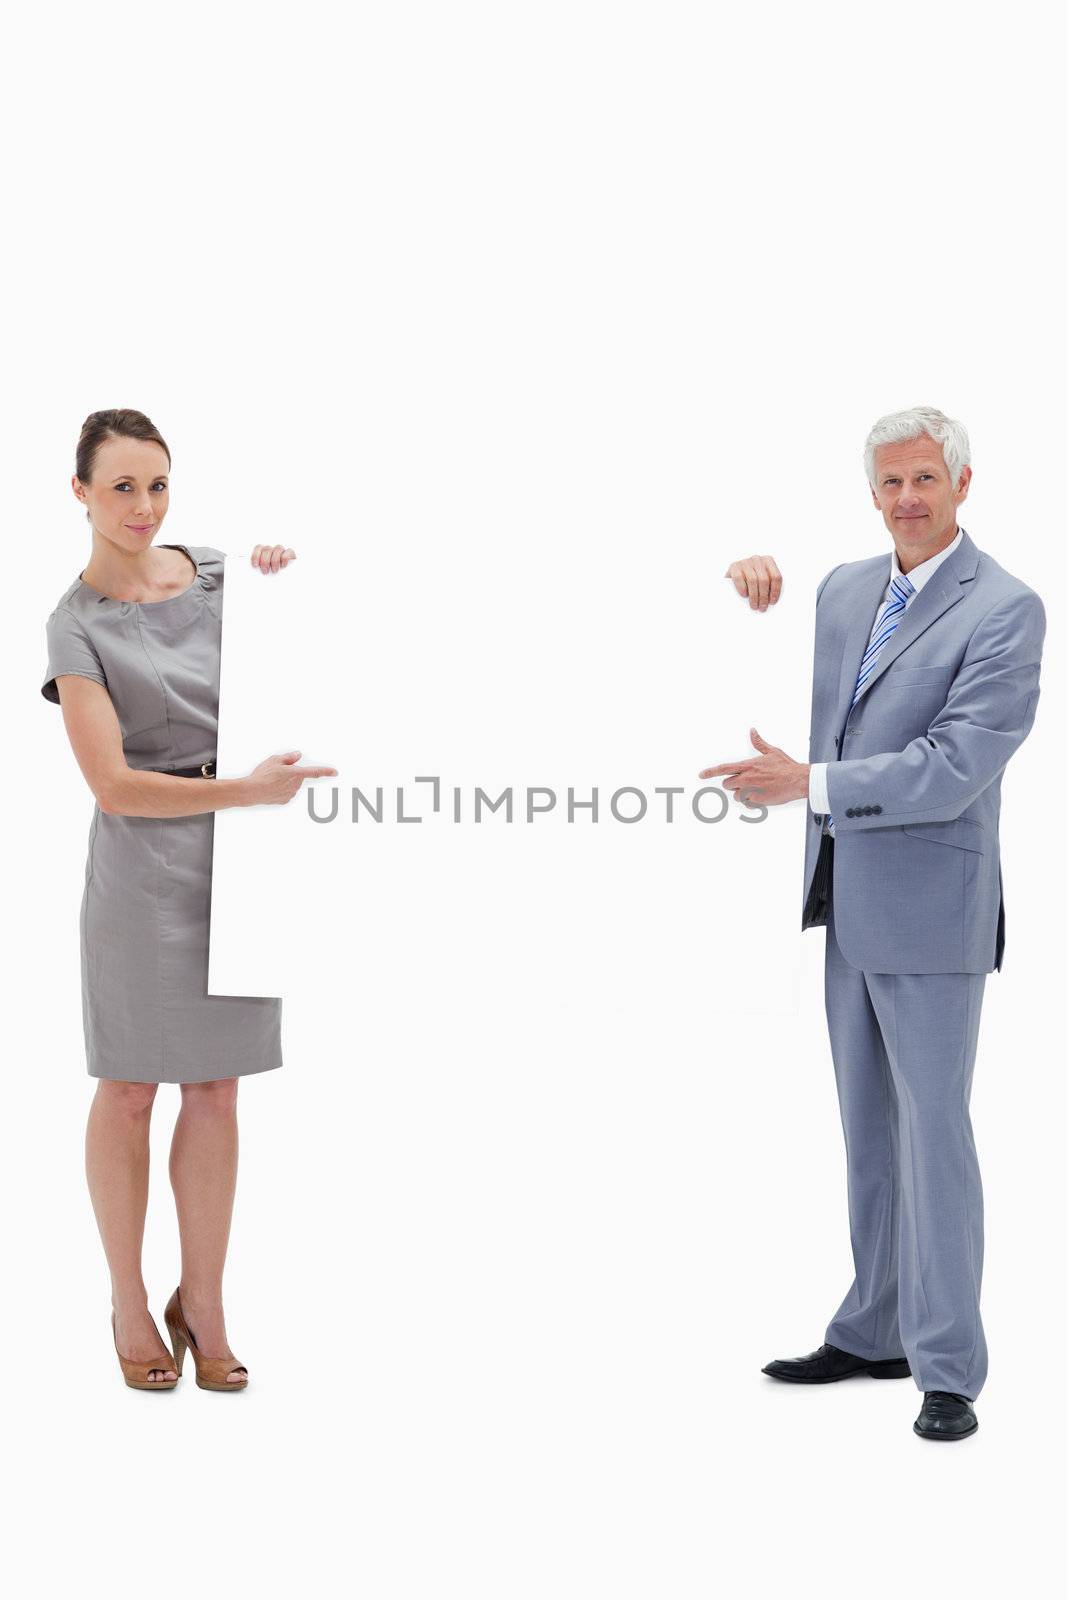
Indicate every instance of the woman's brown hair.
{"type": "Point", "coordinates": [101, 425]}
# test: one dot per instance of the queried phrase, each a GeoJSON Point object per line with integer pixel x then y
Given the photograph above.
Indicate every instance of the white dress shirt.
{"type": "Point", "coordinates": [818, 798]}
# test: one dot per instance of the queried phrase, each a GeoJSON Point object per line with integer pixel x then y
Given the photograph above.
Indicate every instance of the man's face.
{"type": "Point", "coordinates": [917, 498]}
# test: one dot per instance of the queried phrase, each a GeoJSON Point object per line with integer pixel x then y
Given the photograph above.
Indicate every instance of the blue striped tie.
{"type": "Point", "coordinates": [900, 592]}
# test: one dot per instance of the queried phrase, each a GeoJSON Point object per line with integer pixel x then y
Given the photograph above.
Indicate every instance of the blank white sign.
{"type": "Point", "coordinates": [418, 696]}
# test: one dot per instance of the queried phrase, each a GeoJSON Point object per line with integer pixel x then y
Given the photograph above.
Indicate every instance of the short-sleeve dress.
{"type": "Point", "coordinates": [147, 1015]}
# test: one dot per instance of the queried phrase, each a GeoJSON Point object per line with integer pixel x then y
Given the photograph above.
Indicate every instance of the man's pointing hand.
{"type": "Point", "coordinates": [771, 776]}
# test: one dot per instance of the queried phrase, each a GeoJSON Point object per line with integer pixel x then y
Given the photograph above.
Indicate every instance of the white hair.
{"type": "Point", "coordinates": [900, 426]}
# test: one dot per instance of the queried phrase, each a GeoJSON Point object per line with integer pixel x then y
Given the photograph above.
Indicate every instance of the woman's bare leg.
{"type": "Point", "coordinates": [203, 1174]}
{"type": "Point", "coordinates": [116, 1165]}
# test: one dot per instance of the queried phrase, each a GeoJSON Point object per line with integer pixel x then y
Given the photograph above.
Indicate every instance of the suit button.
{"type": "Point", "coordinates": [850, 812]}
{"type": "Point", "coordinates": [868, 810]}
{"type": "Point", "coordinates": [876, 810]}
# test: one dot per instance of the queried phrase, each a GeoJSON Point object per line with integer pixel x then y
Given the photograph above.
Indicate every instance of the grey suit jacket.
{"type": "Point", "coordinates": [915, 765]}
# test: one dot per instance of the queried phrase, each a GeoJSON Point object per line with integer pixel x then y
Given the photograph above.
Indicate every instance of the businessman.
{"type": "Point", "coordinates": [926, 681]}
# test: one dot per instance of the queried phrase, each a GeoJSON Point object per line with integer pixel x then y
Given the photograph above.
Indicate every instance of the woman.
{"type": "Point", "coordinates": [133, 659]}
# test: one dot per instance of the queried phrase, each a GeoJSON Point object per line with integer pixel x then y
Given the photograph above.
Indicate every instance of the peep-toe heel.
{"type": "Point", "coordinates": [136, 1373]}
{"type": "Point", "coordinates": [211, 1371]}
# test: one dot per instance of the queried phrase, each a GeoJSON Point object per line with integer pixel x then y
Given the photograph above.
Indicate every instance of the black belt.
{"type": "Point", "coordinates": [206, 770]}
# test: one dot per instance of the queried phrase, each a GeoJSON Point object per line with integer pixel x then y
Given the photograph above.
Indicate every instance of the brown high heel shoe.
{"type": "Point", "coordinates": [210, 1370]}
{"type": "Point", "coordinates": [136, 1372]}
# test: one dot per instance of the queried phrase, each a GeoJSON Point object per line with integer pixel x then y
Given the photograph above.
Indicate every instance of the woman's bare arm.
{"type": "Point", "coordinates": [92, 726]}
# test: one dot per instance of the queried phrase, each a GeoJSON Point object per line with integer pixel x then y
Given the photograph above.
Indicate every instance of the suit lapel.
{"type": "Point", "coordinates": [937, 596]}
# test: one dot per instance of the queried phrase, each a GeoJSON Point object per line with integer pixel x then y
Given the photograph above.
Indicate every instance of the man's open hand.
{"type": "Point", "coordinates": [769, 777]}
{"type": "Point", "coordinates": [756, 579]}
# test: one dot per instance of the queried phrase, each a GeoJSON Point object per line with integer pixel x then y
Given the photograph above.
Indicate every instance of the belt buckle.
{"type": "Point", "coordinates": [204, 769]}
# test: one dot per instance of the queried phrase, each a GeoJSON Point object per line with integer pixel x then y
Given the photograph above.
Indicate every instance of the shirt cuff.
{"type": "Point", "coordinates": [818, 798]}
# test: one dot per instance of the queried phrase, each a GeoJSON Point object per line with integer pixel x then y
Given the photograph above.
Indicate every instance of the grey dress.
{"type": "Point", "coordinates": [147, 1015]}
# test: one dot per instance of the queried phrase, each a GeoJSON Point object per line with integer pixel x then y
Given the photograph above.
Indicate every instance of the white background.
{"type": "Point", "coordinates": [522, 322]}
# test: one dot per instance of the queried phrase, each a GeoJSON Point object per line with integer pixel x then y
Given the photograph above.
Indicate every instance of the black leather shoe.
{"type": "Point", "coordinates": [828, 1364]}
{"type": "Point", "coordinates": [945, 1416]}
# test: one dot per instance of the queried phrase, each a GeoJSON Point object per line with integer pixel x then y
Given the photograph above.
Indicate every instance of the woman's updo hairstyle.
{"type": "Point", "coordinates": [116, 424]}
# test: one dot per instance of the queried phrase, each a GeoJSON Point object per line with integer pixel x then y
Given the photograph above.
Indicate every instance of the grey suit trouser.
{"type": "Point", "coordinates": [903, 1048]}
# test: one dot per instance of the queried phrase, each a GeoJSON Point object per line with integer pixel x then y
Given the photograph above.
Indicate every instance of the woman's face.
{"type": "Point", "coordinates": [129, 495]}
